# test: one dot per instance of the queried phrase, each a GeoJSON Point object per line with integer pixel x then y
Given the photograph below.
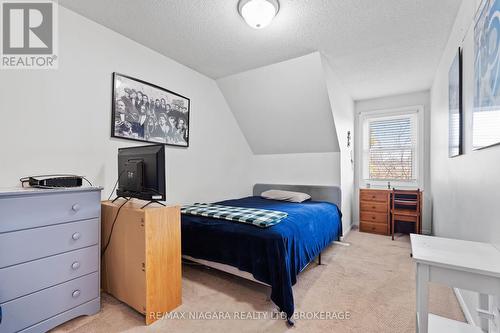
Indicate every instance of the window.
{"type": "Point", "coordinates": [390, 147]}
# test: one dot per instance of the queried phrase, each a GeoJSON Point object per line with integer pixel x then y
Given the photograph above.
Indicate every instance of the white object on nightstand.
{"type": "Point", "coordinates": [457, 263]}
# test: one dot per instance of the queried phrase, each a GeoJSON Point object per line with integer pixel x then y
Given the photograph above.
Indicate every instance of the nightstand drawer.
{"type": "Point", "coordinates": [373, 195]}
{"type": "Point", "coordinates": [374, 207]}
{"type": "Point", "coordinates": [373, 217]}
{"type": "Point", "coordinates": [25, 212]}
{"type": "Point", "coordinates": [22, 246]}
{"type": "Point", "coordinates": [376, 228]}
{"type": "Point", "coordinates": [18, 280]}
{"type": "Point", "coordinates": [34, 308]}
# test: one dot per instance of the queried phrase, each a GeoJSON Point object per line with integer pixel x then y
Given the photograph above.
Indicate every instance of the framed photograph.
{"type": "Point", "coordinates": [455, 120]}
{"type": "Point", "coordinates": [486, 110]}
{"type": "Point", "coordinates": [142, 111]}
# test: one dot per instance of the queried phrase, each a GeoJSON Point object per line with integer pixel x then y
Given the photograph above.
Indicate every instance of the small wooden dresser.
{"type": "Point", "coordinates": [142, 264]}
{"type": "Point", "coordinates": [374, 213]}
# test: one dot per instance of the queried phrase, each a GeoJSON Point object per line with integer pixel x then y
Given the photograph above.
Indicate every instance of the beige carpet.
{"type": "Point", "coordinates": [373, 279]}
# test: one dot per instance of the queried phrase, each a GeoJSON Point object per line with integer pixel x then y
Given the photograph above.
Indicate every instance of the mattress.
{"type": "Point", "coordinates": [273, 255]}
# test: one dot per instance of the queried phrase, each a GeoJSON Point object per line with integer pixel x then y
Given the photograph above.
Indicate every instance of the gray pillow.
{"type": "Point", "coordinates": [285, 196]}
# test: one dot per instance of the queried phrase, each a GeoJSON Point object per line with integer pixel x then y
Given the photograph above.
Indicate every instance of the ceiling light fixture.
{"type": "Point", "coordinates": [258, 13]}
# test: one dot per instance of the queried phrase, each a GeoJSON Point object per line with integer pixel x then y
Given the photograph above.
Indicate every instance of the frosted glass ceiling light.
{"type": "Point", "coordinates": [258, 13]}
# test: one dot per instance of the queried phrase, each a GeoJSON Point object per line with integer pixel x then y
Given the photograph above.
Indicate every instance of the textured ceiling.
{"type": "Point", "coordinates": [377, 47]}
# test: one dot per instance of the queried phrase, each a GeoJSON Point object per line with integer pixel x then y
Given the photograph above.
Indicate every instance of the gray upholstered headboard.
{"type": "Point", "coordinates": [331, 194]}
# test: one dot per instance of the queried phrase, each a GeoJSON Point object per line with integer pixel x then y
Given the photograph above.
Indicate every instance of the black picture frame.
{"type": "Point", "coordinates": [455, 106]}
{"type": "Point", "coordinates": [148, 121]}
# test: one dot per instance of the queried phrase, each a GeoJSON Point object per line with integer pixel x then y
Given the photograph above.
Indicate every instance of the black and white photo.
{"type": "Point", "coordinates": [145, 112]}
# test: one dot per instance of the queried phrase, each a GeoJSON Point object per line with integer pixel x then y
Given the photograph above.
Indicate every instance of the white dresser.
{"type": "Point", "coordinates": [49, 257]}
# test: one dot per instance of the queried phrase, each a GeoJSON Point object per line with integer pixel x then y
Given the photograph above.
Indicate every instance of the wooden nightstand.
{"type": "Point", "coordinates": [142, 264]}
{"type": "Point", "coordinates": [374, 212]}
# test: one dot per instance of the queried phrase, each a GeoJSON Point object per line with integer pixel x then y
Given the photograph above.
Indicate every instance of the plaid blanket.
{"type": "Point", "coordinates": [258, 217]}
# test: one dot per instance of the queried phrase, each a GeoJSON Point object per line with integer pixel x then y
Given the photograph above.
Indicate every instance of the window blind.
{"type": "Point", "coordinates": [391, 148]}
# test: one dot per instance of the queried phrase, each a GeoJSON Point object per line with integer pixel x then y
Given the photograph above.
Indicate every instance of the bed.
{"type": "Point", "coordinates": [273, 256]}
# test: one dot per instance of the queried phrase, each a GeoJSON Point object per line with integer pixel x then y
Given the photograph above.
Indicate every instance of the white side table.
{"type": "Point", "coordinates": [462, 264]}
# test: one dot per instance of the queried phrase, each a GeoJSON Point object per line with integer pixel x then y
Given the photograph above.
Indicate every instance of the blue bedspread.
{"type": "Point", "coordinates": [273, 255]}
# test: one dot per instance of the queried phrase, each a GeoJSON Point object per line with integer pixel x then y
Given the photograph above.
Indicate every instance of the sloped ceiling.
{"type": "Point", "coordinates": [283, 108]}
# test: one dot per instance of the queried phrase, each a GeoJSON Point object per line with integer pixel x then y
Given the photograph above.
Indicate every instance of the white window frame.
{"type": "Point", "coordinates": [419, 146]}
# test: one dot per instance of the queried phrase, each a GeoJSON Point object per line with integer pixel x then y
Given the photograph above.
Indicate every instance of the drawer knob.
{"type": "Point", "coordinates": [373, 217]}
{"type": "Point", "coordinates": [76, 236]}
{"type": "Point", "coordinates": [75, 207]}
{"type": "Point", "coordinates": [75, 265]}
{"type": "Point", "coordinates": [76, 293]}
{"type": "Point", "coordinates": [373, 207]}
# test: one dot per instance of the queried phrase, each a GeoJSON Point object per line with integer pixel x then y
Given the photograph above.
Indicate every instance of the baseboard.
{"type": "Point", "coordinates": [354, 226]}
{"type": "Point", "coordinates": [345, 233]}
{"type": "Point", "coordinates": [463, 306]}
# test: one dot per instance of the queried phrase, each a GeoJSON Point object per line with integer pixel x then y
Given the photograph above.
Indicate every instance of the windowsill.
{"type": "Point", "coordinates": [383, 185]}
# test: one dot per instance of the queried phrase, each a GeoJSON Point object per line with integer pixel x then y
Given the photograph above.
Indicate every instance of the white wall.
{"type": "Point", "coordinates": [283, 108]}
{"type": "Point", "coordinates": [343, 113]}
{"type": "Point", "coordinates": [298, 169]}
{"type": "Point", "coordinates": [393, 102]}
{"type": "Point", "coordinates": [59, 120]}
{"type": "Point", "coordinates": [465, 189]}
{"type": "Point", "coordinates": [455, 181]}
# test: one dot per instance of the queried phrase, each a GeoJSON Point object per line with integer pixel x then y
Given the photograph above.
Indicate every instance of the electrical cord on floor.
{"type": "Point", "coordinates": [112, 227]}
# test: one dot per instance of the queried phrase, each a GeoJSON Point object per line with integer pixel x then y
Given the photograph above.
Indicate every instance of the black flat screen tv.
{"type": "Point", "coordinates": [141, 172]}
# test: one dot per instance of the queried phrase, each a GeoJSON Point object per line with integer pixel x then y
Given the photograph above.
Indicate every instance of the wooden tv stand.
{"type": "Point", "coordinates": [142, 264]}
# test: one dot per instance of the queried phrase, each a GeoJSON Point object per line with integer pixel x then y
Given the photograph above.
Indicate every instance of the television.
{"type": "Point", "coordinates": [141, 172]}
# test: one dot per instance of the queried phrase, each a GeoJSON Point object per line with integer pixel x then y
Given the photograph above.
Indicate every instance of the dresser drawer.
{"type": "Point", "coordinates": [34, 308]}
{"type": "Point", "coordinates": [23, 279]}
{"type": "Point", "coordinates": [21, 246]}
{"type": "Point", "coordinates": [376, 207]}
{"type": "Point", "coordinates": [373, 195]}
{"type": "Point", "coordinates": [25, 212]}
{"type": "Point", "coordinates": [376, 228]}
{"type": "Point", "coordinates": [373, 217]}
